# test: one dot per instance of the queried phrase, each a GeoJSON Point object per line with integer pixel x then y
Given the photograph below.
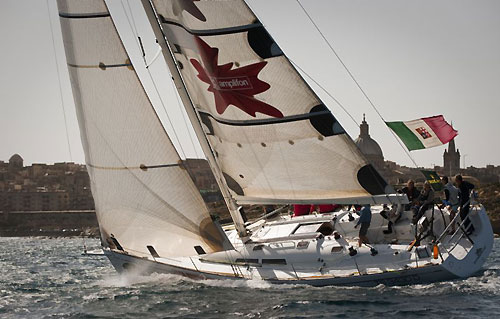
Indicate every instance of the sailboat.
{"type": "Point", "coordinates": [268, 139]}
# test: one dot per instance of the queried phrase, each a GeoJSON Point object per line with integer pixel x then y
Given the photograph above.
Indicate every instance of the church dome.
{"type": "Point", "coordinates": [16, 158]}
{"type": "Point", "coordinates": [367, 145]}
{"type": "Point", "coordinates": [15, 162]}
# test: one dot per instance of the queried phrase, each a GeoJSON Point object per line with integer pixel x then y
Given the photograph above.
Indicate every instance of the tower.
{"type": "Point", "coordinates": [451, 159]}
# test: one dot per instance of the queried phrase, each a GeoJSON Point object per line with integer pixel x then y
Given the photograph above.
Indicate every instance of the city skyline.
{"type": "Point", "coordinates": [448, 65]}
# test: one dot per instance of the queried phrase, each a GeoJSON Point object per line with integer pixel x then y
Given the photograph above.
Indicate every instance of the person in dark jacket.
{"type": "Point", "coordinates": [412, 193]}
{"type": "Point", "coordinates": [425, 201]}
{"type": "Point", "coordinates": [464, 189]}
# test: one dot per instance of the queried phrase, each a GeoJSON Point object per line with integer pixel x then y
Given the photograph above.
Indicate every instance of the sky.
{"type": "Point", "coordinates": [412, 58]}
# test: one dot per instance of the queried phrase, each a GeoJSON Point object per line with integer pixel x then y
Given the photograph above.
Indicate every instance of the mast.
{"type": "Point", "coordinates": [193, 117]}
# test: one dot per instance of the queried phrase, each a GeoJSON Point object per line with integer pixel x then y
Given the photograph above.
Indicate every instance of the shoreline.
{"type": "Point", "coordinates": [79, 223]}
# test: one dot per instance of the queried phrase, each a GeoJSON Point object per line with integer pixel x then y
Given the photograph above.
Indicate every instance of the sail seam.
{"type": "Point", "coordinates": [286, 119]}
{"type": "Point", "coordinates": [84, 15]}
{"type": "Point", "coordinates": [208, 32]}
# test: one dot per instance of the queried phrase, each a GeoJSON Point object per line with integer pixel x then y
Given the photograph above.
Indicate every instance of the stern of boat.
{"type": "Point", "coordinates": [466, 254]}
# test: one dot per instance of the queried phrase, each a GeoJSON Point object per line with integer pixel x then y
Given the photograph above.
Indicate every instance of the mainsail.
{"type": "Point", "coordinates": [273, 138]}
{"type": "Point", "coordinates": [143, 195]}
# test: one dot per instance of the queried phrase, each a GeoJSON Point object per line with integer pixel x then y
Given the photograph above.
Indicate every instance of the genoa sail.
{"type": "Point", "coordinates": [273, 138]}
{"type": "Point", "coordinates": [143, 194]}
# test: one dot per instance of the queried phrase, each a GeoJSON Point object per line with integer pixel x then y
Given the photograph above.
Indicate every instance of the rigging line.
{"type": "Point", "coordinates": [309, 76]}
{"type": "Point", "coordinates": [354, 79]}
{"type": "Point", "coordinates": [166, 113]}
{"type": "Point", "coordinates": [333, 98]}
{"type": "Point", "coordinates": [136, 33]}
{"type": "Point", "coordinates": [132, 27]}
{"type": "Point", "coordinates": [60, 83]}
{"type": "Point", "coordinates": [131, 23]}
{"type": "Point", "coordinates": [179, 104]}
{"type": "Point", "coordinates": [326, 92]}
{"type": "Point", "coordinates": [132, 17]}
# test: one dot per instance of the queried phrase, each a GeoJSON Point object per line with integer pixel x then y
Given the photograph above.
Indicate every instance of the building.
{"type": "Point", "coordinates": [16, 163]}
{"type": "Point", "coordinates": [451, 160]}
{"type": "Point", "coordinates": [369, 147]}
{"type": "Point", "coordinates": [41, 200]}
{"type": "Point", "coordinates": [43, 187]}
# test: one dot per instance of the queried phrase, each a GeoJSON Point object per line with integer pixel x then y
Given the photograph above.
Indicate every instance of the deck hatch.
{"type": "Point", "coordinates": [423, 253]}
{"type": "Point", "coordinates": [199, 250]}
{"type": "Point", "coordinates": [258, 247]}
{"type": "Point", "coordinates": [274, 261]}
{"type": "Point", "coordinates": [307, 228]}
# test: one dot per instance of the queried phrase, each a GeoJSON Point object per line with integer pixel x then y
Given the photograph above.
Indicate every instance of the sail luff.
{"type": "Point", "coordinates": [193, 116]}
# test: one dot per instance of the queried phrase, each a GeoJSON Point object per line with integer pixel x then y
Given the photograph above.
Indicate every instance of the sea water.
{"type": "Point", "coordinates": [48, 278]}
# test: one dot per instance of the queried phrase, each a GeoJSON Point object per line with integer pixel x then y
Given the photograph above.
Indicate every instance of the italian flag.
{"type": "Point", "coordinates": [424, 133]}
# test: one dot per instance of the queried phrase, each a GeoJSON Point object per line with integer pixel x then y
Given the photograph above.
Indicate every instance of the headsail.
{"type": "Point", "coordinates": [274, 139]}
{"type": "Point", "coordinates": [143, 195]}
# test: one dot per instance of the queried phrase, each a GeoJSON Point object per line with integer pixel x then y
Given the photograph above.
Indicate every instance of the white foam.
{"type": "Point", "coordinates": [129, 279]}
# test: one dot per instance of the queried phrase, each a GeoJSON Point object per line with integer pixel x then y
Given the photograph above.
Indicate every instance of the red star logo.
{"type": "Point", "coordinates": [187, 5]}
{"type": "Point", "coordinates": [232, 86]}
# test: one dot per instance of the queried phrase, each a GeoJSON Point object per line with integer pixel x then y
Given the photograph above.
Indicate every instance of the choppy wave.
{"type": "Point", "coordinates": [48, 278]}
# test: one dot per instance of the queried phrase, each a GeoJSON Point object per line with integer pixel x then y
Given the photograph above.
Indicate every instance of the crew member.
{"type": "Point", "coordinates": [451, 199]}
{"type": "Point", "coordinates": [464, 189]}
{"type": "Point", "coordinates": [412, 193]}
{"type": "Point", "coordinates": [426, 200]}
{"type": "Point", "coordinates": [364, 220]}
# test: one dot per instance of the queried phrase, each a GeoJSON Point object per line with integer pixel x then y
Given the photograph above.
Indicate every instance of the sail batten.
{"type": "Point", "coordinates": [285, 119]}
{"type": "Point", "coordinates": [100, 65]}
{"type": "Point", "coordinates": [209, 32]}
{"type": "Point", "coordinates": [143, 194]}
{"type": "Point", "coordinates": [141, 167]}
{"type": "Point", "coordinates": [84, 15]}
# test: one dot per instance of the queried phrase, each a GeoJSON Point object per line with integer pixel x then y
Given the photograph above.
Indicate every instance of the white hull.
{"type": "Point", "coordinates": [285, 255]}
